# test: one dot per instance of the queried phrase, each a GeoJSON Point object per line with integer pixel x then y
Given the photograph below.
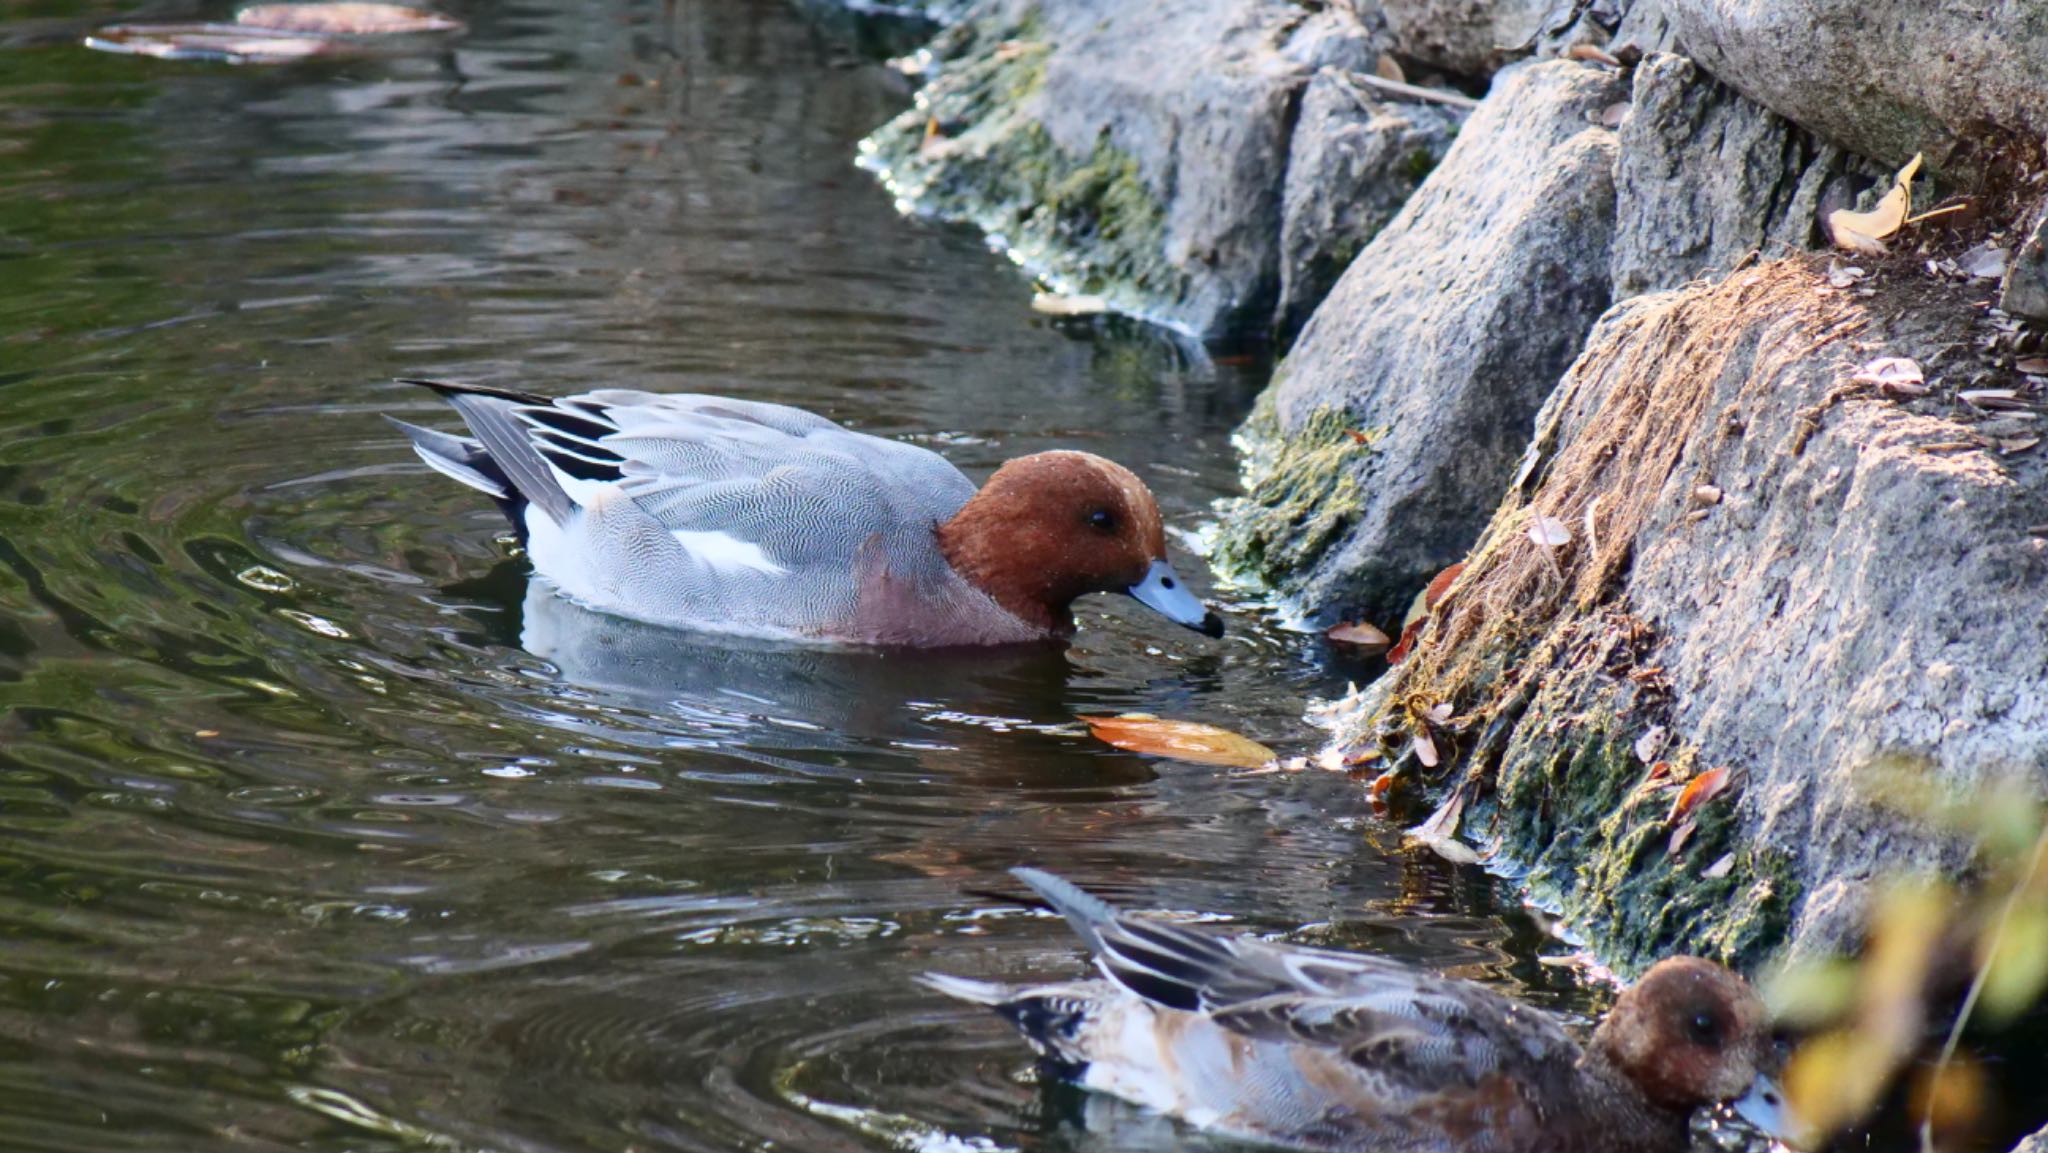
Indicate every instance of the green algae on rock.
{"type": "Point", "coordinates": [1787, 631]}
{"type": "Point", "coordinates": [1142, 160]}
{"type": "Point", "coordinates": [1299, 495]}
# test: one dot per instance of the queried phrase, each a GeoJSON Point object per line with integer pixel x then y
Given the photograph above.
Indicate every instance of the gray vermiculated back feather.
{"type": "Point", "coordinates": [809, 494]}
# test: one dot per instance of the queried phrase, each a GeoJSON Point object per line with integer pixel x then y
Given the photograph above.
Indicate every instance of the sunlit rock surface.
{"type": "Point", "coordinates": [1884, 78]}
{"type": "Point", "coordinates": [1144, 159]}
{"type": "Point", "coordinates": [1772, 569]}
{"type": "Point", "coordinates": [1354, 160]}
{"type": "Point", "coordinates": [1706, 177]}
{"type": "Point", "coordinates": [1401, 411]}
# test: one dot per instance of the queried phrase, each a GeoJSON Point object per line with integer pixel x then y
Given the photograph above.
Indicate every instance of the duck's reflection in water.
{"type": "Point", "coordinates": [964, 713]}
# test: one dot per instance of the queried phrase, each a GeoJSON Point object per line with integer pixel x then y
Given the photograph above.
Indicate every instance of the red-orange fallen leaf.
{"type": "Point", "coordinates": [1440, 586]}
{"type": "Point", "coordinates": [1360, 634]}
{"type": "Point", "coordinates": [1425, 602]}
{"type": "Point", "coordinates": [1381, 786]}
{"type": "Point", "coordinates": [1357, 437]}
{"type": "Point", "coordinates": [1181, 740]}
{"type": "Point", "coordinates": [1697, 792]}
{"type": "Point", "coordinates": [1399, 652]}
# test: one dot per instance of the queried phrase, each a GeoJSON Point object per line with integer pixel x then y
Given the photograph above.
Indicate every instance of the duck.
{"type": "Point", "coordinates": [725, 515]}
{"type": "Point", "coordinates": [1317, 1049]}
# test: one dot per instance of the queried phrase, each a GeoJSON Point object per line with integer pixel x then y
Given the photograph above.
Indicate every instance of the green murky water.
{"type": "Point", "coordinates": [317, 831]}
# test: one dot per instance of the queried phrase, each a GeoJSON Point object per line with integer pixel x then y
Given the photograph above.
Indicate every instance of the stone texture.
{"type": "Point", "coordinates": [1467, 37]}
{"type": "Point", "coordinates": [2024, 291]}
{"type": "Point", "coordinates": [1123, 154]}
{"type": "Point", "coordinates": [1706, 177]}
{"type": "Point", "coordinates": [1354, 161]}
{"type": "Point", "coordinates": [1862, 586]}
{"type": "Point", "coordinates": [1884, 78]}
{"type": "Point", "coordinates": [2038, 1143]}
{"type": "Point", "coordinates": [1398, 416]}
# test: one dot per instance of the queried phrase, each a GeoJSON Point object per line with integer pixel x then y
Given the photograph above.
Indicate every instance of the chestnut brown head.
{"type": "Point", "coordinates": [1053, 526]}
{"type": "Point", "coordinates": [1692, 1033]}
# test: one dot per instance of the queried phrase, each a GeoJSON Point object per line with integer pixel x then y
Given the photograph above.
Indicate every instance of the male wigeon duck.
{"type": "Point", "coordinates": [1327, 1050]}
{"type": "Point", "coordinates": [737, 516]}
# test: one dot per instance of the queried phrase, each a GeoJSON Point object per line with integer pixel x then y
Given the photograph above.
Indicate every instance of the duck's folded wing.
{"type": "Point", "coordinates": [737, 482]}
{"type": "Point", "coordinates": [1378, 1012]}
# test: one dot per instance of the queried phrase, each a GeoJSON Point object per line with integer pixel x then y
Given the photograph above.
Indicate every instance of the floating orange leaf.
{"type": "Point", "coordinates": [1180, 740]}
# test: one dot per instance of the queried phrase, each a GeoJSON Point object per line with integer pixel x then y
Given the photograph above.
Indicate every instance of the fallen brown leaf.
{"type": "Point", "coordinates": [2034, 366]}
{"type": "Point", "coordinates": [1992, 399]}
{"type": "Point", "coordinates": [1180, 740]}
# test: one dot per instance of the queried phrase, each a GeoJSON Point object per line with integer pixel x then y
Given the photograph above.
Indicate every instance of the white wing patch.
{"type": "Point", "coordinates": [725, 552]}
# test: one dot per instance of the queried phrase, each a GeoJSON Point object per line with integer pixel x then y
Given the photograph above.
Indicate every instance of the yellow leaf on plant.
{"type": "Point", "coordinates": [1180, 740]}
{"type": "Point", "coordinates": [2017, 966]}
{"type": "Point", "coordinates": [1834, 1080]}
{"type": "Point", "coordinates": [1866, 231]}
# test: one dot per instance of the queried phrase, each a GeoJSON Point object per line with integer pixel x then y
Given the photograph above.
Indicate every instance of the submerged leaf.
{"type": "Point", "coordinates": [1058, 304]}
{"type": "Point", "coordinates": [1181, 740]}
{"type": "Point", "coordinates": [229, 42]}
{"type": "Point", "coordinates": [346, 19]}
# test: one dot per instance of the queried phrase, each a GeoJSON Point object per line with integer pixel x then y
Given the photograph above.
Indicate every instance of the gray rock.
{"type": "Point", "coordinates": [1706, 177]}
{"type": "Point", "coordinates": [1794, 577]}
{"type": "Point", "coordinates": [2025, 289]}
{"type": "Point", "coordinates": [2038, 1143]}
{"type": "Point", "coordinates": [1120, 153]}
{"type": "Point", "coordinates": [1467, 37]}
{"type": "Point", "coordinates": [1885, 78]}
{"type": "Point", "coordinates": [1383, 444]}
{"type": "Point", "coordinates": [1354, 162]}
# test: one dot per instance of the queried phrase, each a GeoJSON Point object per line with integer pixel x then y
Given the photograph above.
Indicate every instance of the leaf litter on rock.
{"type": "Point", "coordinates": [1549, 532]}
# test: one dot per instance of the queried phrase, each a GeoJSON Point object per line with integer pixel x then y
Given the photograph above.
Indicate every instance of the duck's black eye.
{"type": "Point", "coordinates": [1103, 519]}
{"type": "Point", "coordinates": [1705, 1029]}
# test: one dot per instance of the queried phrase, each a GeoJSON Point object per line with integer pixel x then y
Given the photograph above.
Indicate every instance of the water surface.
{"type": "Point", "coordinates": [321, 829]}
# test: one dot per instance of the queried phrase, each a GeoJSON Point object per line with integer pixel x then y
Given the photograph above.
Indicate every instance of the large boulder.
{"type": "Point", "coordinates": [1118, 153]}
{"type": "Point", "coordinates": [1773, 569]}
{"type": "Point", "coordinates": [1355, 160]}
{"type": "Point", "coordinates": [1468, 37]}
{"type": "Point", "coordinates": [1885, 78]}
{"type": "Point", "coordinates": [1399, 414]}
{"type": "Point", "coordinates": [1706, 177]}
